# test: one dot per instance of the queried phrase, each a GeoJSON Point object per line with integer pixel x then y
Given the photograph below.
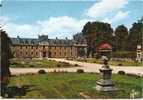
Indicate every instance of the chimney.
{"type": "Point", "coordinates": [18, 37]}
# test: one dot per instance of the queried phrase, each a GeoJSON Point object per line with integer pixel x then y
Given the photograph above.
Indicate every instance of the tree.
{"type": "Point", "coordinates": [6, 54]}
{"type": "Point", "coordinates": [135, 35]}
{"type": "Point", "coordinates": [121, 35]}
{"type": "Point", "coordinates": [79, 37]}
{"type": "Point", "coordinates": [95, 33]}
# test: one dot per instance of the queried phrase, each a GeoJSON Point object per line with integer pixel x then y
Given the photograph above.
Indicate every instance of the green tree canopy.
{"type": "Point", "coordinates": [95, 33]}
{"type": "Point", "coordinates": [121, 34]}
{"type": "Point", "coordinates": [135, 35]}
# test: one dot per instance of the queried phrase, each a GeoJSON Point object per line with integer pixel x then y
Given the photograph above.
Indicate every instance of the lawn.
{"type": "Point", "coordinates": [39, 63]}
{"type": "Point", "coordinates": [72, 85]}
{"type": "Point", "coordinates": [115, 63]}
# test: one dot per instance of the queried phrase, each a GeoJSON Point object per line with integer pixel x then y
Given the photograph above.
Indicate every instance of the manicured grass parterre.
{"type": "Point", "coordinates": [74, 85]}
{"type": "Point", "coordinates": [39, 63]}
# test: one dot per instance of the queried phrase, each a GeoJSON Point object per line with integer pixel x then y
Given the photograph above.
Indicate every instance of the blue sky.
{"type": "Point", "coordinates": [30, 18]}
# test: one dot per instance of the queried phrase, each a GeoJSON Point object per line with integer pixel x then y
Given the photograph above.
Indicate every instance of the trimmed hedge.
{"type": "Point", "coordinates": [124, 54]}
{"type": "Point", "coordinates": [76, 65]}
{"type": "Point", "coordinates": [80, 71]}
{"type": "Point", "coordinates": [42, 72]}
{"type": "Point", "coordinates": [121, 72]}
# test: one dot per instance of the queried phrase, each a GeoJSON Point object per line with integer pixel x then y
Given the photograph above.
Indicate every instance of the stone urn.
{"type": "Point", "coordinates": [105, 83]}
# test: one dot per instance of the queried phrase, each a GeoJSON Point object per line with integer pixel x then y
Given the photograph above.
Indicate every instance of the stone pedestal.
{"type": "Point", "coordinates": [105, 83]}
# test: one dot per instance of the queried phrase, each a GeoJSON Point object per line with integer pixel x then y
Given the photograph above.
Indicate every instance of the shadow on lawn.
{"type": "Point", "coordinates": [14, 91]}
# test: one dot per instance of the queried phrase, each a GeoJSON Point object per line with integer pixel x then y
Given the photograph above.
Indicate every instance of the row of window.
{"type": "Point", "coordinates": [53, 54]}
{"type": "Point", "coordinates": [44, 47]}
{"type": "Point", "coordinates": [27, 53]}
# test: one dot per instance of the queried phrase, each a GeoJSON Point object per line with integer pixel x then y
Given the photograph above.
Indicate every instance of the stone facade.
{"type": "Point", "coordinates": [139, 52]}
{"type": "Point", "coordinates": [44, 47]}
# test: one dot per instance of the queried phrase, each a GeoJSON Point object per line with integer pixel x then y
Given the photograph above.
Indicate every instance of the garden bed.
{"type": "Point", "coordinates": [37, 63]}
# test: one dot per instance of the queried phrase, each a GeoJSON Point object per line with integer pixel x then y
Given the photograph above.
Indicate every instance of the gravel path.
{"type": "Point", "coordinates": [88, 67]}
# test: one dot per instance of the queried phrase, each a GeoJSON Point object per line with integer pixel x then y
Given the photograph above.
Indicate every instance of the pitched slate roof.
{"type": "Point", "coordinates": [60, 42]}
{"type": "Point", "coordinates": [24, 41]}
{"type": "Point", "coordinates": [34, 41]}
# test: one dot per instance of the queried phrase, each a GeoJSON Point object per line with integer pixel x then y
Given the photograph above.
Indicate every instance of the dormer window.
{"type": "Point", "coordinates": [26, 41]}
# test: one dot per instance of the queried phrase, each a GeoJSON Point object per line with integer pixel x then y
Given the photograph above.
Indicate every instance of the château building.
{"type": "Point", "coordinates": [44, 47]}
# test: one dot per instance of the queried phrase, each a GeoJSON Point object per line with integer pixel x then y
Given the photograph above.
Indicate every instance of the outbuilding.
{"type": "Point", "coordinates": [105, 49]}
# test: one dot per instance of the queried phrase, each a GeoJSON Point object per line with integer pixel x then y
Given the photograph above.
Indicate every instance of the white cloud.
{"type": "Point", "coordinates": [23, 30]}
{"type": "Point", "coordinates": [104, 7]}
{"type": "Point", "coordinates": [4, 20]}
{"type": "Point", "coordinates": [60, 27]}
{"type": "Point", "coordinates": [118, 17]}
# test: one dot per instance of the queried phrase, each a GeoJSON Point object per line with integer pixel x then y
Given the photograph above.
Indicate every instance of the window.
{"type": "Point", "coordinates": [20, 47]}
{"type": "Point", "coordinates": [26, 47]}
{"type": "Point", "coordinates": [36, 53]}
{"type": "Point", "coordinates": [32, 47]}
{"type": "Point", "coordinates": [43, 47]}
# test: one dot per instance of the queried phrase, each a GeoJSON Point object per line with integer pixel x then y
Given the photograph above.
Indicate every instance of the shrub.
{"type": "Point", "coordinates": [124, 54]}
{"type": "Point", "coordinates": [31, 65]}
{"type": "Point", "coordinates": [14, 63]}
{"type": "Point", "coordinates": [121, 72]}
{"type": "Point", "coordinates": [120, 64]}
{"type": "Point", "coordinates": [76, 65]}
{"type": "Point", "coordinates": [80, 71]}
{"type": "Point", "coordinates": [58, 65]}
{"type": "Point", "coordinates": [42, 72]}
{"type": "Point", "coordinates": [94, 61]}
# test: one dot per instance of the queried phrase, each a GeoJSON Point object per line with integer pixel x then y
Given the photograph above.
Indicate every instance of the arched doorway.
{"type": "Point", "coordinates": [44, 54]}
